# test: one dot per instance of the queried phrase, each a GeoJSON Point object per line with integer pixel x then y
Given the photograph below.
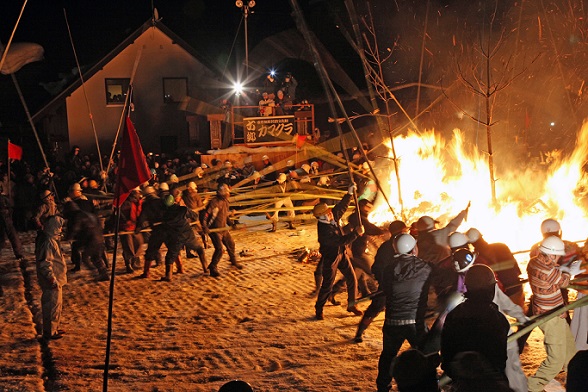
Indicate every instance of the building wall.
{"type": "Point", "coordinates": [153, 118]}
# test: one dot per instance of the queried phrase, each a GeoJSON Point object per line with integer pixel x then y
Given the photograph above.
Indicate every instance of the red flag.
{"type": "Point", "coordinates": [14, 151]}
{"type": "Point", "coordinates": [132, 165]}
{"type": "Point", "coordinates": [300, 140]}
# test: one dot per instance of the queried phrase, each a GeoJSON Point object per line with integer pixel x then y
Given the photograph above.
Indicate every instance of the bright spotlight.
{"type": "Point", "coordinates": [272, 72]}
{"type": "Point", "coordinates": [552, 124]}
{"type": "Point", "coordinates": [238, 88]}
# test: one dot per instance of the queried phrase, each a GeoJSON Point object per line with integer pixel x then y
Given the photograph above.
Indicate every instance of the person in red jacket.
{"type": "Point", "coordinates": [131, 243]}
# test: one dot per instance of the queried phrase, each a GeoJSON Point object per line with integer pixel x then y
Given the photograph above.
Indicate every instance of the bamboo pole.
{"type": "Point", "coordinates": [85, 95]}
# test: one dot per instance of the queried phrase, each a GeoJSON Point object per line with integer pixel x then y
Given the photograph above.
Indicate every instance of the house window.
{"type": "Point", "coordinates": [174, 89]}
{"type": "Point", "coordinates": [116, 91]}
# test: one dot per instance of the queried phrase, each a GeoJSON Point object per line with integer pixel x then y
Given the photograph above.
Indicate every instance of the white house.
{"type": "Point", "coordinates": [163, 70]}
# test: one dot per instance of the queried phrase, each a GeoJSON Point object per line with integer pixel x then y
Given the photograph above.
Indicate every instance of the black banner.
{"type": "Point", "coordinates": [272, 130]}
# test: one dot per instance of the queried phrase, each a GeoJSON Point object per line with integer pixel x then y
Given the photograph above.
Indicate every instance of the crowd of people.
{"type": "Point", "coordinates": [472, 284]}
{"type": "Point", "coordinates": [468, 283]}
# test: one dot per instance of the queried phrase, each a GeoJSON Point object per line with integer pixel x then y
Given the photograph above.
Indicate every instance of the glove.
{"type": "Point", "coordinates": [572, 268]}
{"type": "Point", "coordinates": [352, 188]}
{"type": "Point", "coordinates": [575, 268]}
{"type": "Point", "coordinates": [360, 230]}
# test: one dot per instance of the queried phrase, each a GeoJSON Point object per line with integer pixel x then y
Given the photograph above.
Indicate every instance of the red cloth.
{"type": "Point", "coordinates": [14, 151]}
{"type": "Point", "coordinates": [132, 166]}
{"type": "Point", "coordinates": [300, 140]}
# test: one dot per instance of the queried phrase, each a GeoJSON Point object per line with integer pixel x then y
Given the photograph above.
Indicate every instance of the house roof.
{"type": "Point", "coordinates": [151, 23]}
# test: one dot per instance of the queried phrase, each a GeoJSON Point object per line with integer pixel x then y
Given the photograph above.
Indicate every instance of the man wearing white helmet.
{"type": "Point", "coordinates": [551, 227]}
{"type": "Point", "coordinates": [199, 172]}
{"type": "Point", "coordinates": [46, 208]}
{"type": "Point", "coordinates": [290, 166]}
{"type": "Point", "coordinates": [334, 252]}
{"type": "Point", "coordinates": [217, 216]}
{"type": "Point", "coordinates": [434, 242]}
{"type": "Point", "coordinates": [194, 202]}
{"type": "Point", "coordinates": [163, 190]}
{"type": "Point", "coordinates": [405, 283]}
{"type": "Point", "coordinates": [150, 216]}
{"type": "Point", "coordinates": [75, 195]}
{"type": "Point", "coordinates": [282, 186]}
{"type": "Point", "coordinates": [499, 257]}
{"type": "Point", "coordinates": [546, 279]}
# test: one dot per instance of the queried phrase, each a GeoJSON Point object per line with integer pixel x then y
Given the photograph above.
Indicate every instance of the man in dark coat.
{"type": "Point", "coordinates": [88, 239]}
{"type": "Point", "coordinates": [217, 217]}
{"type": "Point", "coordinates": [151, 216]}
{"type": "Point", "coordinates": [179, 233]}
{"type": "Point", "coordinates": [384, 256]}
{"type": "Point", "coordinates": [335, 254]}
{"type": "Point", "coordinates": [7, 229]}
{"type": "Point", "coordinates": [476, 325]}
{"type": "Point", "coordinates": [499, 257]}
{"type": "Point", "coordinates": [405, 282]}
{"type": "Point", "coordinates": [362, 263]}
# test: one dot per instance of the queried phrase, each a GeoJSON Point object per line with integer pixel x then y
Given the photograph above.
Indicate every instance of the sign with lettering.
{"type": "Point", "coordinates": [268, 130]}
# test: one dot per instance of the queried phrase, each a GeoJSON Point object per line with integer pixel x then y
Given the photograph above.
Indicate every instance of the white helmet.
{"type": "Point", "coordinates": [314, 164]}
{"type": "Point", "coordinates": [473, 235]}
{"type": "Point", "coordinates": [265, 158]}
{"type": "Point", "coordinates": [75, 187]}
{"type": "Point", "coordinates": [199, 171]}
{"type": "Point", "coordinates": [228, 164]}
{"type": "Point", "coordinates": [404, 243]}
{"type": "Point", "coordinates": [163, 186]}
{"type": "Point", "coordinates": [148, 190]}
{"type": "Point", "coordinates": [458, 240]}
{"type": "Point", "coordinates": [306, 167]}
{"type": "Point", "coordinates": [550, 227]}
{"type": "Point", "coordinates": [290, 162]}
{"type": "Point", "coordinates": [553, 246]}
{"type": "Point", "coordinates": [174, 179]}
{"type": "Point", "coordinates": [282, 178]}
{"type": "Point", "coordinates": [425, 223]}
{"type": "Point", "coordinates": [323, 181]}
{"type": "Point", "coordinates": [192, 185]}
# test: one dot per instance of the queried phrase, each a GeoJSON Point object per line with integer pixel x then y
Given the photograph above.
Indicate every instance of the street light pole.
{"type": "Point", "coordinates": [246, 9]}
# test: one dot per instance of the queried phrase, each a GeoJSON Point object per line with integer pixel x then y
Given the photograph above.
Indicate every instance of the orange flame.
{"type": "Point", "coordinates": [439, 178]}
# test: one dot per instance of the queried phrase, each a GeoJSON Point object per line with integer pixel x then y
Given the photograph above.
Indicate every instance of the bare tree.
{"type": "Point", "coordinates": [483, 78]}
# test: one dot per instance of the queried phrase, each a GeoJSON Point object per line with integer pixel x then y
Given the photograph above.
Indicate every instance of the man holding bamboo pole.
{"type": "Point", "coordinates": [546, 280]}
{"type": "Point", "coordinates": [282, 186]}
{"type": "Point", "coordinates": [334, 252]}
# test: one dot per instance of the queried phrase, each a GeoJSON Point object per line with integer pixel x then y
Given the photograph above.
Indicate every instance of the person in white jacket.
{"type": "Point", "coordinates": [52, 276]}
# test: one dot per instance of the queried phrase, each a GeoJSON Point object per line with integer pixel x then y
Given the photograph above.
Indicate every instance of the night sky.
{"type": "Point", "coordinates": [213, 27]}
{"type": "Point", "coordinates": [540, 52]}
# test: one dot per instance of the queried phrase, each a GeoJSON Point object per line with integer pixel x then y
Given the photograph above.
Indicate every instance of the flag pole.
{"type": "Point", "coordinates": [85, 94]}
{"type": "Point", "coordinates": [332, 92]}
{"type": "Point", "coordinates": [8, 164]}
{"type": "Point", "coordinates": [112, 274]}
{"type": "Point", "coordinates": [127, 104]}
{"type": "Point", "coordinates": [3, 59]}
